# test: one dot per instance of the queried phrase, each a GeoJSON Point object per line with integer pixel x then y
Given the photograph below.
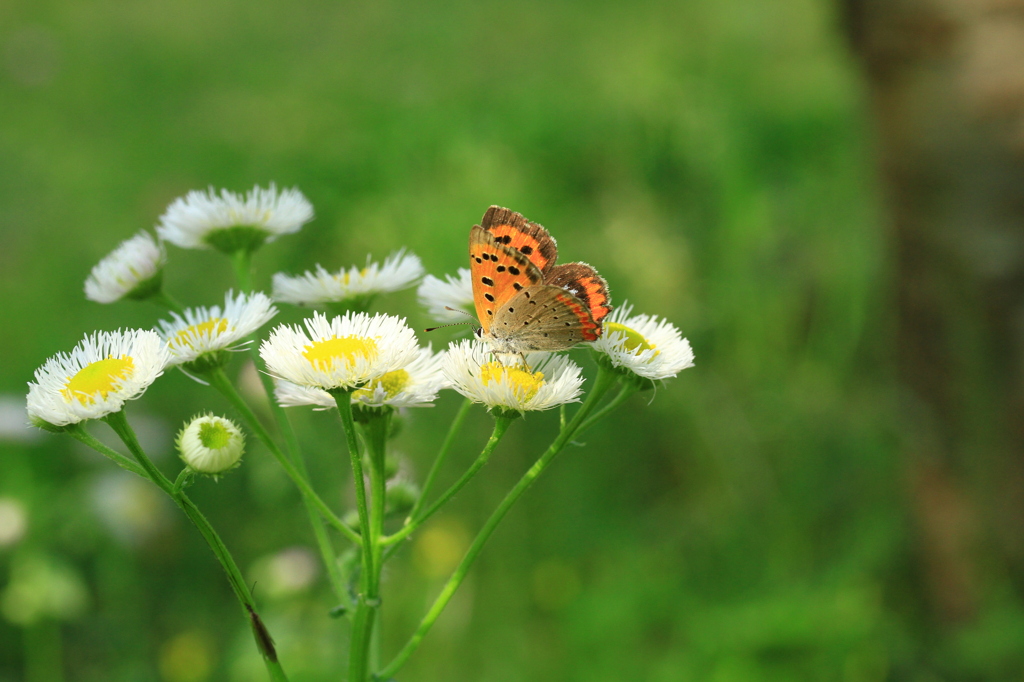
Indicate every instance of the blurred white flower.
{"type": "Point", "coordinates": [438, 295]}
{"type": "Point", "coordinates": [133, 270]}
{"type": "Point", "coordinates": [200, 220]}
{"type": "Point", "coordinates": [399, 270]}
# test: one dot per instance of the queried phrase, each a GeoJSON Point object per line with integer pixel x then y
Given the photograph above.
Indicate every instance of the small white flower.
{"type": "Point", "coordinates": [400, 270]}
{"type": "Point", "coordinates": [211, 445]}
{"type": "Point", "coordinates": [131, 270]}
{"type": "Point", "coordinates": [200, 220]}
{"type": "Point", "coordinates": [205, 330]}
{"type": "Point", "coordinates": [548, 381]}
{"type": "Point", "coordinates": [438, 295]}
{"type": "Point", "coordinates": [103, 372]}
{"type": "Point", "coordinates": [344, 352]}
{"type": "Point", "coordinates": [643, 344]}
{"type": "Point", "coordinates": [415, 385]}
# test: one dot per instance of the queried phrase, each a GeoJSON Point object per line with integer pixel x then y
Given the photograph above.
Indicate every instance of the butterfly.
{"type": "Point", "coordinates": [523, 300]}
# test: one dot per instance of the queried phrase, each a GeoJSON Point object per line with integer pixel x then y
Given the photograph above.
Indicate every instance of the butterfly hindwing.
{"type": "Point", "coordinates": [544, 318]}
{"type": "Point", "coordinates": [584, 282]}
{"type": "Point", "coordinates": [530, 239]}
{"type": "Point", "coordinates": [499, 272]}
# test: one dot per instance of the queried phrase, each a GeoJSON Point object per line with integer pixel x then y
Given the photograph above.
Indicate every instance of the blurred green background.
{"type": "Point", "coordinates": [746, 522]}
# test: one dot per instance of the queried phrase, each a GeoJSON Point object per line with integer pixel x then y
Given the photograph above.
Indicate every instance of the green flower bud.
{"type": "Point", "coordinates": [211, 445]}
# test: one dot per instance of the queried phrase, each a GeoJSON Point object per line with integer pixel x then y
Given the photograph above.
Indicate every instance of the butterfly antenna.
{"type": "Point", "coordinates": [454, 324]}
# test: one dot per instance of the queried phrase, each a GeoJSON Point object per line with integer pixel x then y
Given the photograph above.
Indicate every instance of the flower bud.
{"type": "Point", "coordinates": [401, 496]}
{"type": "Point", "coordinates": [211, 445]}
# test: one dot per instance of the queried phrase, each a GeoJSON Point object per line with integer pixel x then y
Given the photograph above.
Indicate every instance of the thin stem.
{"type": "Point", "coordinates": [119, 424]}
{"type": "Point", "coordinates": [627, 391]}
{"type": "Point", "coordinates": [362, 622]}
{"type": "Point", "coordinates": [79, 433]}
{"type": "Point", "coordinates": [376, 436]}
{"type": "Point", "coordinates": [241, 261]}
{"type": "Point", "coordinates": [605, 380]}
{"type": "Point", "coordinates": [501, 425]}
{"type": "Point", "coordinates": [243, 275]}
{"type": "Point", "coordinates": [442, 455]}
{"type": "Point", "coordinates": [179, 482]}
{"type": "Point", "coordinates": [219, 380]}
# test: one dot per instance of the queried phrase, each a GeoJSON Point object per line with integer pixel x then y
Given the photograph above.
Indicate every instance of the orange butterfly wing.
{"type": "Point", "coordinates": [499, 272]}
{"type": "Point", "coordinates": [583, 282]}
{"type": "Point", "coordinates": [530, 239]}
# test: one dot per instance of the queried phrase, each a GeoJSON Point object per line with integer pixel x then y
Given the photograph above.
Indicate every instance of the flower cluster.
{"type": "Point", "coordinates": [367, 366]}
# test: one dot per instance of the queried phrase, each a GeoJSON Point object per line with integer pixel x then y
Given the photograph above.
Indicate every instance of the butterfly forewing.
{"type": "Point", "coordinates": [499, 273]}
{"type": "Point", "coordinates": [530, 239]}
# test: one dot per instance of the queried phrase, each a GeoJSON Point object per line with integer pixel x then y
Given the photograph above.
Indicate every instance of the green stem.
{"type": "Point", "coordinates": [241, 261]}
{"type": "Point", "coordinates": [243, 272]}
{"type": "Point", "coordinates": [179, 482]}
{"type": "Point", "coordinates": [78, 432]}
{"type": "Point", "coordinates": [627, 391]}
{"type": "Point", "coordinates": [119, 424]}
{"type": "Point", "coordinates": [376, 431]}
{"type": "Point", "coordinates": [605, 380]}
{"type": "Point", "coordinates": [166, 301]}
{"type": "Point", "coordinates": [442, 455]}
{"type": "Point", "coordinates": [219, 380]}
{"type": "Point", "coordinates": [501, 425]}
{"type": "Point", "coordinates": [362, 622]}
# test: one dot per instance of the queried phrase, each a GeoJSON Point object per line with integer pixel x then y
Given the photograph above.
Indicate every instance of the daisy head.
{"type": "Point", "coordinates": [133, 270]}
{"type": "Point", "coordinates": [195, 338]}
{"type": "Point", "coordinates": [415, 385]}
{"type": "Point", "coordinates": [211, 445]}
{"type": "Point", "coordinates": [230, 222]}
{"type": "Point", "coordinates": [104, 371]}
{"type": "Point", "coordinates": [547, 381]}
{"type": "Point", "coordinates": [642, 345]}
{"type": "Point", "coordinates": [345, 352]}
{"type": "Point", "coordinates": [353, 285]}
{"type": "Point", "coordinates": [437, 296]}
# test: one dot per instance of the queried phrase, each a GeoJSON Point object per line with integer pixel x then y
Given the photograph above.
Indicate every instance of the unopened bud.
{"type": "Point", "coordinates": [211, 445]}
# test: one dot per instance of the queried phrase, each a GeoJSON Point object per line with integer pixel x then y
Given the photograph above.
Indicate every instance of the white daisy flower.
{"type": "Point", "coordinates": [103, 372]}
{"type": "Point", "coordinates": [207, 330]}
{"type": "Point", "coordinates": [415, 385]}
{"type": "Point", "coordinates": [229, 221]}
{"type": "Point", "coordinates": [549, 380]}
{"type": "Point", "coordinates": [400, 270]}
{"type": "Point", "coordinates": [644, 345]}
{"type": "Point", "coordinates": [211, 445]}
{"type": "Point", "coordinates": [438, 295]}
{"type": "Point", "coordinates": [133, 270]}
{"type": "Point", "coordinates": [344, 352]}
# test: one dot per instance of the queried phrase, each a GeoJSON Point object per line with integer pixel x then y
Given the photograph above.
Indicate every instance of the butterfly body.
{"type": "Point", "coordinates": [523, 300]}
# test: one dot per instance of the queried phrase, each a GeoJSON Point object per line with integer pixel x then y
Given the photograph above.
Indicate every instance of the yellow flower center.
{"type": "Point", "coordinates": [213, 436]}
{"type": "Point", "coordinates": [323, 354]}
{"type": "Point", "coordinates": [346, 277]}
{"type": "Point", "coordinates": [393, 383]}
{"type": "Point", "coordinates": [98, 377]}
{"type": "Point", "coordinates": [634, 339]}
{"type": "Point", "coordinates": [211, 328]}
{"type": "Point", "coordinates": [524, 384]}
